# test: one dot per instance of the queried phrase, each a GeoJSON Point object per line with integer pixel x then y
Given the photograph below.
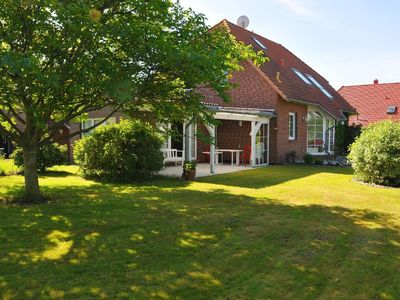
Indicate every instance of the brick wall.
{"type": "Point", "coordinates": [251, 91]}
{"type": "Point", "coordinates": [280, 143]}
{"type": "Point", "coordinates": [202, 145]}
{"type": "Point", "coordinates": [229, 136]}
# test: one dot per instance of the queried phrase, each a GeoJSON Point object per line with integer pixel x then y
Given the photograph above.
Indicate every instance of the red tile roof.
{"type": "Point", "coordinates": [289, 84]}
{"type": "Point", "coordinates": [372, 101]}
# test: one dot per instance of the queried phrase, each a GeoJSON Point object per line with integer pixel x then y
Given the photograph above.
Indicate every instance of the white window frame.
{"type": "Point", "coordinates": [111, 120]}
{"type": "Point", "coordinates": [328, 138]}
{"type": "Point", "coordinates": [292, 135]}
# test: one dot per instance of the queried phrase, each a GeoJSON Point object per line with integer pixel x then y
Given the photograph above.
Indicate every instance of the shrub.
{"type": "Point", "coordinates": [375, 155]}
{"type": "Point", "coordinates": [308, 159]}
{"type": "Point", "coordinates": [291, 157]}
{"type": "Point", "coordinates": [318, 162]}
{"type": "Point", "coordinates": [49, 155]}
{"type": "Point", "coordinates": [128, 151]}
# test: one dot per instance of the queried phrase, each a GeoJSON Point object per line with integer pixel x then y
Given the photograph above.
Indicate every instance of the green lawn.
{"type": "Point", "coordinates": [281, 232]}
{"type": "Point", "coordinates": [8, 166]}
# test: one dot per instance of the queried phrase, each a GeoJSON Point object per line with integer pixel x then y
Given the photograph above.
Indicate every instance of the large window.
{"type": "Point", "coordinates": [320, 133]}
{"type": "Point", "coordinates": [292, 126]}
{"type": "Point", "coordinates": [91, 122]}
{"type": "Point", "coordinates": [315, 133]}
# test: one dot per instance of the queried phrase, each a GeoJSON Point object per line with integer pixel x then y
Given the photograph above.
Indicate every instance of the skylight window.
{"type": "Point", "coordinates": [320, 86]}
{"type": "Point", "coordinates": [259, 43]}
{"type": "Point", "coordinates": [391, 110]}
{"type": "Point", "coordinates": [304, 78]}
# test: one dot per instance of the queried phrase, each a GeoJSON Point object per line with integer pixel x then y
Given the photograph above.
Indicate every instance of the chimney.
{"type": "Point", "coordinates": [376, 81]}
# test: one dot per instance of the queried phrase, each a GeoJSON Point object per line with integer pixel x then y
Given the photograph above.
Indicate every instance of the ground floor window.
{"type": "Point", "coordinates": [320, 133]}
{"type": "Point", "coordinates": [91, 122]}
{"type": "Point", "coordinates": [292, 126]}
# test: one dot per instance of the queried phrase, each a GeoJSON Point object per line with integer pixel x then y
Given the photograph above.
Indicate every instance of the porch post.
{"type": "Point", "coordinates": [253, 143]}
{"type": "Point", "coordinates": [212, 150]}
{"type": "Point", "coordinates": [186, 134]}
{"type": "Point", "coordinates": [211, 131]}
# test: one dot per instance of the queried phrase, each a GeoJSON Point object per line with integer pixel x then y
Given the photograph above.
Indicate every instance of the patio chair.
{"type": "Point", "coordinates": [260, 149]}
{"type": "Point", "coordinates": [171, 156]}
{"type": "Point", "coordinates": [245, 155]}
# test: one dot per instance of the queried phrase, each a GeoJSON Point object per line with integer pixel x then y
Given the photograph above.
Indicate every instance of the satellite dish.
{"type": "Point", "coordinates": [243, 21]}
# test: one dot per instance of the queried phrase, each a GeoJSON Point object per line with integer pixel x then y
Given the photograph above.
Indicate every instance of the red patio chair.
{"type": "Point", "coordinates": [245, 155]}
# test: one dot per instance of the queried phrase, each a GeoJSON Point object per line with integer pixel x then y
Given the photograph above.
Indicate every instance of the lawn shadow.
{"type": "Point", "coordinates": [56, 173]}
{"type": "Point", "coordinates": [165, 240]}
{"type": "Point", "coordinates": [272, 175]}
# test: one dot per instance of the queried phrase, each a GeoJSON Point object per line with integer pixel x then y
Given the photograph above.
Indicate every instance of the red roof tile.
{"type": "Point", "coordinates": [372, 101]}
{"type": "Point", "coordinates": [289, 84]}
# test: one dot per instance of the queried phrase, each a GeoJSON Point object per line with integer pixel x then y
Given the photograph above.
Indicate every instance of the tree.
{"type": "Point", "coordinates": [60, 59]}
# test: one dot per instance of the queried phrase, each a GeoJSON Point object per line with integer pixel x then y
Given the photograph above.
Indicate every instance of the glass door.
{"type": "Point", "coordinates": [261, 149]}
{"type": "Point", "coordinates": [192, 131]}
{"type": "Point", "coordinates": [193, 141]}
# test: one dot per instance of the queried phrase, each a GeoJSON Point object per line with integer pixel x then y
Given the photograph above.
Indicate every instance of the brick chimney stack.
{"type": "Point", "coordinates": [376, 81]}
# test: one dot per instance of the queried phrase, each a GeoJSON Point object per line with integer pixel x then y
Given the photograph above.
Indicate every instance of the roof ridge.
{"type": "Point", "coordinates": [223, 21]}
{"type": "Point", "coordinates": [370, 84]}
{"type": "Point", "coordinates": [252, 32]}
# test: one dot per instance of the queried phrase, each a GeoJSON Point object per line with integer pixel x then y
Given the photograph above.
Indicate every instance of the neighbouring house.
{"type": "Point", "coordinates": [373, 102]}
{"type": "Point", "coordinates": [279, 109]}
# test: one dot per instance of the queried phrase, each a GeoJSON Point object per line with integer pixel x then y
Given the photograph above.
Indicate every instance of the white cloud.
{"type": "Point", "coordinates": [297, 8]}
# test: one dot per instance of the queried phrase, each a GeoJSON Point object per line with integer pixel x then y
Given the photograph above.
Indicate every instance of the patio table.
{"type": "Point", "coordinates": [217, 152]}
{"type": "Point", "coordinates": [232, 151]}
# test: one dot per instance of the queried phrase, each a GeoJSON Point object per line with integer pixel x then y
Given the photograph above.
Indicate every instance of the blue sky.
{"type": "Point", "coordinates": [347, 42]}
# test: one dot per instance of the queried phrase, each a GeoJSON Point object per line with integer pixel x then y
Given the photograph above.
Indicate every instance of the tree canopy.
{"type": "Point", "coordinates": [60, 59]}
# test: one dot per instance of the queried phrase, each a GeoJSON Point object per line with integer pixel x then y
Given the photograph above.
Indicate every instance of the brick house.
{"type": "Point", "coordinates": [281, 107]}
{"type": "Point", "coordinates": [374, 102]}
{"type": "Point", "coordinates": [295, 106]}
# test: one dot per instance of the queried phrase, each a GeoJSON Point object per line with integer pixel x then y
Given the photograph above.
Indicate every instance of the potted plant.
{"type": "Point", "coordinates": [189, 170]}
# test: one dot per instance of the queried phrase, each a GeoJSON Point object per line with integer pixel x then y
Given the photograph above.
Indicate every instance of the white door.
{"type": "Point", "coordinates": [192, 131]}
{"type": "Point", "coordinates": [193, 141]}
{"type": "Point", "coordinates": [260, 143]}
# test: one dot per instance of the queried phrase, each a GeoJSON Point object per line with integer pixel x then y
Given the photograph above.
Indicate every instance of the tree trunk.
{"type": "Point", "coordinates": [32, 190]}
